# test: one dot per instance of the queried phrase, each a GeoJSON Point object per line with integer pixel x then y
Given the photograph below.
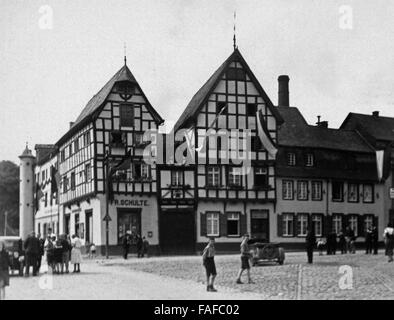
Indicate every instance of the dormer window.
{"type": "Point", "coordinates": [309, 160]}
{"type": "Point", "coordinates": [291, 159]}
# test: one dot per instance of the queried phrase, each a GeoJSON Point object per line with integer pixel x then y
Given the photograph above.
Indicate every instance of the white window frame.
{"type": "Point", "coordinates": [317, 221]}
{"type": "Point", "coordinates": [288, 218]}
{"type": "Point", "coordinates": [302, 224]}
{"type": "Point", "coordinates": [337, 223]}
{"type": "Point", "coordinates": [213, 172]}
{"type": "Point", "coordinates": [371, 196]}
{"type": "Point", "coordinates": [234, 216]}
{"type": "Point", "coordinates": [145, 171]}
{"type": "Point", "coordinates": [291, 159]}
{"type": "Point", "coordinates": [178, 178]}
{"type": "Point", "coordinates": [235, 176]}
{"type": "Point", "coordinates": [356, 197]}
{"type": "Point", "coordinates": [310, 160]}
{"type": "Point", "coordinates": [288, 189]}
{"type": "Point", "coordinates": [368, 221]}
{"type": "Point", "coordinates": [353, 223]}
{"type": "Point", "coordinates": [317, 190]}
{"type": "Point", "coordinates": [302, 190]}
{"type": "Point", "coordinates": [212, 224]}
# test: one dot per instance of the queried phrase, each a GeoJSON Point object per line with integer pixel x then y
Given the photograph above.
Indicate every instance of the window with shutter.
{"type": "Point", "coordinates": [279, 227]}
{"type": "Point", "coordinates": [287, 226]}
{"type": "Point", "coordinates": [203, 224]}
{"type": "Point", "coordinates": [213, 221]}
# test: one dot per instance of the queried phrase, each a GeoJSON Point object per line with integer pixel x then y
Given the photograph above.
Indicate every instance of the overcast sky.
{"type": "Point", "coordinates": [49, 72]}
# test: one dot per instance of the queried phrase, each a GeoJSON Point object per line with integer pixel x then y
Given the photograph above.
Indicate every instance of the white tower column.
{"type": "Point", "coordinates": [26, 193]}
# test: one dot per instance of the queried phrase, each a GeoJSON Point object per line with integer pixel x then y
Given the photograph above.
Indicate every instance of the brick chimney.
{"type": "Point", "coordinates": [283, 91]}
{"type": "Point", "coordinates": [375, 113]}
{"type": "Point", "coordinates": [323, 124]}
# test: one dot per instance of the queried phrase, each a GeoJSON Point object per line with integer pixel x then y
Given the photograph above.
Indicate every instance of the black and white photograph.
{"type": "Point", "coordinates": [197, 151]}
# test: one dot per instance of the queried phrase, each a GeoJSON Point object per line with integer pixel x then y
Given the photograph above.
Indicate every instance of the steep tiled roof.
{"type": "Point", "coordinates": [296, 132]}
{"type": "Point", "coordinates": [381, 128]}
{"type": "Point", "coordinates": [202, 94]}
{"type": "Point", "coordinates": [99, 98]}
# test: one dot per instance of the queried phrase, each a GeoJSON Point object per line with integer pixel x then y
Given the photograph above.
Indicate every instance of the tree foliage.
{"type": "Point", "coordinates": [9, 197]}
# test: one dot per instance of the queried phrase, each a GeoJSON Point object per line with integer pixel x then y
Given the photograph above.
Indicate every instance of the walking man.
{"type": "Point", "coordinates": [209, 264]}
{"type": "Point", "coordinates": [245, 255]}
{"type": "Point", "coordinates": [310, 243]}
{"type": "Point", "coordinates": [32, 249]}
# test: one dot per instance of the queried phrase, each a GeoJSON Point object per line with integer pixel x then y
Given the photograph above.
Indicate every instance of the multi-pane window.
{"type": "Point", "coordinates": [317, 221]}
{"type": "Point", "coordinates": [212, 224]}
{"type": "Point", "coordinates": [235, 74]}
{"type": "Point", "coordinates": [291, 159]}
{"type": "Point", "coordinates": [287, 190]}
{"type": "Point", "coordinates": [234, 176]}
{"type": "Point", "coordinates": [176, 177]}
{"type": "Point", "coordinates": [316, 190]}
{"type": "Point", "coordinates": [141, 171]}
{"type": "Point", "coordinates": [213, 176]}
{"type": "Point", "coordinates": [261, 176]}
{"type": "Point", "coordinates": [337, 191]}
{"type": "Point", "coordinates": [88, 172]}
{"type": "Point", "coordinates": [138, 138]}
{"type": "Point", "coordinates": [65, 184]}
{"type": "Point", "coordinates": [352, 192]}
{"type": "Point", "coordinates": [368, 193]}
{"type": "Point", "coordinates": [302, 224]}
{"type": "Point", "coordinates": [62, 155]}
{"type": "Point", "coordinates": [117, 139]}
{"type": "Point", "coordinates": [86, 138]}
{"type": "Point", "coordinates": [302, 190]}
{"type": "Point", "coordinates": [126, 116]}
{"type": "Point", "coordinates": [337, 223]}
{"type": "Point", "coordinates": [72, 180]}
{"type": "Point", "coordinates": [309, 160]}
{"type": "Point", "coordinates": [233, 225]}
{"type": "Point", "coordinates": [288, 224]}
{"type": "Point", "coordinates": [353, 223]}
{"type": "Point", "coordinates": [76, 145]}
{"type": "Point", "coordinates": [368, 221]}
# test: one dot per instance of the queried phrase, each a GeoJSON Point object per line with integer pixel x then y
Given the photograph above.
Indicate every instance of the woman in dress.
{"type": "Point", "coordinates": [76, 255]}
{"type": "Point", "coordinates": [4, 270]}
{"type": "Point", "coordinates": [389, 241]}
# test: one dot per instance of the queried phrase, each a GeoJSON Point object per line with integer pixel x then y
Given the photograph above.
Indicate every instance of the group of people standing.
{"type": "Point", "coordinates": [141, 244]}
{"type": "Point", "coordinates": [60, 251]}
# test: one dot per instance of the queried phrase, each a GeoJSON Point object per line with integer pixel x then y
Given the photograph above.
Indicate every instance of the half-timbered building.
{"type": "Point", "coordinates": [109, 128]}
{"type": "Point", "coordinates": [232, 195]}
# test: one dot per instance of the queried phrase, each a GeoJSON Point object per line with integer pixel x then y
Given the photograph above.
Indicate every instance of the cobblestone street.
{"type": "Point", "coordinates": [183, 277]}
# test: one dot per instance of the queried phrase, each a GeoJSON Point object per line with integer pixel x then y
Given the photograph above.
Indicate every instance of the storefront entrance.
{"type": "Point", "coordinates": [129, 220]}
{"type": "Point", "coordinates": [177, 232]}
{"type": "Point", "coordinates": [259, 224]}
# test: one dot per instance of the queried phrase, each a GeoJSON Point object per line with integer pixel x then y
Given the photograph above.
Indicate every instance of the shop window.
{"type": "Point", "coordinates": [233, 224]}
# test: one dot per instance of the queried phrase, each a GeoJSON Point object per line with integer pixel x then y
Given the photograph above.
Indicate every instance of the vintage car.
{"type": "Point", "coordinates": [15, 249]}
{"type": "Point", "coordinates": [261, 250]}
